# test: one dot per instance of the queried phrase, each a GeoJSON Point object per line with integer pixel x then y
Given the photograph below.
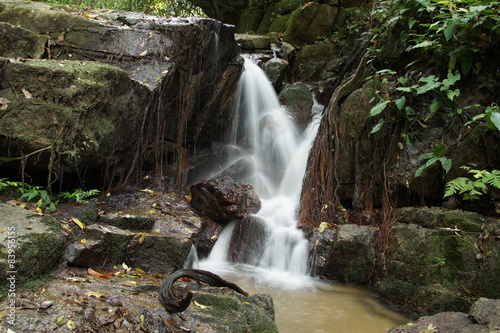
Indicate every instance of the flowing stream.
{"type": "Point", "coordinates": [275, 153]}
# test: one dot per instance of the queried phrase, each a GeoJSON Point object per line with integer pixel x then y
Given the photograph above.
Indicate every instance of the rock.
{"type": "Point", "coordinates": [207, 237]}
{"type": "Point", "coordinates": [79, 109]}
{"type": "Point", "coordinates": [16, 41]}
{"type": "Point", "coordinates": [119, 303]}
{"type": "Point", "coordinates": [275, 70]}
{"type": "Point", "coordinates": [442, 322]}
{"type": "Point", "coordinates": [253, 42]}
{"type": "Point", "coordinates": [299, 101]}
{"type": "Point", "coordinates": [104, 245]}
{"type": "Point", "coordinates": [309, 22]}
{"type": "Point", "coordinates": [31, 247]}
{"type": "Point", "coordinates": [223, 200]}
{"type": "Point", "coordinates": [486, 312]}
{"type": "Point", "coordinates": [439, 218]}
{"type": "Point", "coordinates": [248, 241]}
{"type": "Point", "coordinates": [351, 254]}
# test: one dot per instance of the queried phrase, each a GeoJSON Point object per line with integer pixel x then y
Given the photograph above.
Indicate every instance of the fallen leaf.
{"type": "Point", "coordinates": [152, 211]}
{"type": "Point", "coordinates": [83, 240]}
{"type": "Point", "coordinates": [214, 237]}
{"type": "Point", "coordinates": [94, 294]}
{"type": "Point", "coordinates": [188, 197]}
{"type": "Point", "coordinates": [26, 93]}
{"type": "Point", "coordinates": [60, 320]}
{"type": "Point", "coordinates": [323, 226]}
{"type": "Point", "coordinates": [200, 305]}
{"type": "Point", "coordinates": [143, 53]}
{"type": "Point", "coordinates": [97, 274]}
{"type": "Point", "coordinates": [125, 267]}
{"type": "Point", "coordinates": [148, 191]}
{"type": "Point", "coordinates": [71, 324]}
{"type": "Point", "coordinates": [78, 223]}
{"type": "Point", "coordinates": [61, 36]}
{"type": "Point", "coordinates": [108, 12]}
{"type": "Point", "coordinates": [89, 16]}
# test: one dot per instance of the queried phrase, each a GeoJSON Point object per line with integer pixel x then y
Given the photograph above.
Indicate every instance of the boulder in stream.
{"type": "Point", "coordinates": [223, 200]}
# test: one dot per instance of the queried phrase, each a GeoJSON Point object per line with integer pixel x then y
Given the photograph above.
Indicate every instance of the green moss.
{"type": "Point", "coordinates": [40, 254]}
{"type": "Point", "coordinates": [131, 223]}
{"type": "Point", "coordinates": [51, 223]}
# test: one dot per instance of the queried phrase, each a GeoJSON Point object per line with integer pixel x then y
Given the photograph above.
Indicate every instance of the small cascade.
{"type": "Point", "coordinates": [275, 153]}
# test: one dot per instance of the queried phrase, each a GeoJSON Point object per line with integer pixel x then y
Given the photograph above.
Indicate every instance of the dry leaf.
{"type": "Point", "coordinates": [97, 274]}
{"type": "Point", "coordinates": [94, 294]}
{"type": "Point", "coordinates": [71, 324]}
{"type": "Point", "coordinates": [143, 53]}
{"type": "Point", "coordinates": [89, 16]}
{"type": "Point", "coordinates": [26, 93]}
{"type": "Point", "coordinates": [60, 320]}
{"type": "Point", "coordinates": [78, 223]}
{"type": "Point", "coordinates": [188, 197]}
{"type": "Point", "coordinates": [148, 191]}
{"type": "Point", "coordinates": [214, 237]}
{"type": "Point", "coordinates": [61, 36]}
{"type": "Point", "coordinates": [83, 240]}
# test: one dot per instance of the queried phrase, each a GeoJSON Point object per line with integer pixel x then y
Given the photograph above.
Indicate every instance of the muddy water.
{"type": "Point", "coordinates": [326, 308]}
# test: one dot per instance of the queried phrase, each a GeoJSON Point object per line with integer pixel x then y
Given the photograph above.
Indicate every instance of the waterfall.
{"type": "Point", "coordinates": [276, 153]}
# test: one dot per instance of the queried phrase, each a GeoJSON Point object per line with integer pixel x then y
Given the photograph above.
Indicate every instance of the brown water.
{"type": "Point", "coordinates": [329, 308]}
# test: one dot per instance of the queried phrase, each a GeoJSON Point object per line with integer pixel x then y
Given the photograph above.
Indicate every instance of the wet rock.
{"type": "Point", "coordinates": [104, 245]}
{"type": "Point", "coordinates": [275, 70]}
{"type": "Point", "coordinates": [351, 255]}
{"type": "Point", "coordinates": [440, 218]}
{"type": "Point", "coordinates": [248, 241]}
{"type": "Point", "coordinates": [129, 222]}
{"type": "Point", "coordinates": [31, 247]}
{"type": "Point", "coordinates": [223, 200]}
{"type": "Point", "coordinates": [19, 42]}
{"type": "Point", "coordinates": [299, 102]}
{"type": "Point", "coordinates": [207, 237]}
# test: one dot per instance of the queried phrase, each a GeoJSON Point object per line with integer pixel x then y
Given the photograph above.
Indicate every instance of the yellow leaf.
{"type": "Point", "coordinates": [200, 305]}
{"type": "Point", "coordinates": [188, 230]}
{"type": "Point", "coordinates": [108, 194]}
{"type": "Point", "coordinates": [108, 12]}
{"type": "Point", "coordinates": [78, 222]}
{"type": "Point", "coordinates": [188, 197]}
{"type": "Point", "coordinates": [148, 191]}
{"type": "Point", "coordinates": [140, 271]}
{"type": "Point", "coordinates": [323, 226]}
{"type": "Point", "coordinates": [142, 238]}
{"type": "Point", "coordinates": [152, 211]}
{"type": "Point", "coordinates": [247, 303]}
{"type": "Point", "coordinates": [60, 320]}
{"type": "Point", "coordinates": [214, 237]}
{"type": "Point", "coordinates": [83, 240]}
{"type": "Point", "coordinates": [153, 205]}
{"type": "Point", "coordinates": [71, 324]}
{"type": "Point", "coordinates": [39, 211]}
{"type": "Point", "coordinates": [89, 16]}
{"type": "Point", "coordinates": [142, 318]}
{"type": "Point", "coordinates": [94, 294]}
{"type": "Point", "coordinates": [157, 231]}
{"type": "Point", "coordinates": [143, 53]}
{"type": "Point", "coordinates": [125, 267]}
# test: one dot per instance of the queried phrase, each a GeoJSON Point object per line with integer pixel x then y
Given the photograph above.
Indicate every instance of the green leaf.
{"type": "Point", "coordinates": [377, 127]}
{"type": "Point", "coordinates": [494, 121]}
{"type": "Point", "coordinates": [439, 150]}
{"type": "Point", "coordinates": [400, 102]}
{"type": "Point", "coordinates": [453, 93]}
{"type": "Point", "coordinates": [377, 109]}
{"type": "Point", "coordinates": [450, 80]}
{"type": "Point", "coordinates": [434, 105]}
{"type": "Point", "coordinates": [449, 31]}
{"type": "Point", "coordinates": [465, 64]}
{"type": "Point", "coordinates": [445, 163]}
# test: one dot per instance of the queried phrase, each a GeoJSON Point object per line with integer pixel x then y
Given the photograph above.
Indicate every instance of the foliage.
{"type": "Point", "coordinates": [492, 116]}
{"type": "Point", "coordinates": [41, 197]}
{"type": "Point", "coordinates": [432, 158]}
{"type": "Point", "coordinates": [79, 195]}
{"type": "Point", "coordinates": [181, 8]}
{"type": "Point", "coordinates": [457, 30]}
{"type": "Point", "coordinates": [473, 188]}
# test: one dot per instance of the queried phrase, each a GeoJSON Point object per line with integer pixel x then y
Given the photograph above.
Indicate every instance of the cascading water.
{"type": "Point", "coordinates": [276, 156]}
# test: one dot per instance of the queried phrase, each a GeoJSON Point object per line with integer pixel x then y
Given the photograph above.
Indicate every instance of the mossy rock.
{"type": "Point", "coordinates": [309, 22]}
{"type": "Point", "coordinates": [19, 42]}
{"type": "Point", "coordinates": [132, 223]}
{"type": "Point", "coordinates": [29, 248]}
{"type": "Point", "coordinates": [440, 218]}
{"type": "Point", "coordinates": [231, 312]}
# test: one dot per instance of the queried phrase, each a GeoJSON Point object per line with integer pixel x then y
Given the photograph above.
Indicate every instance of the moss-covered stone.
{"type": "Point", "coordinates": [132, 223]}
{"type": "Point", "coordinates": [440, 218]}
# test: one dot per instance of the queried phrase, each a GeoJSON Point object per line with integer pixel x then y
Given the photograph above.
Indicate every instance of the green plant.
{"type": "Point", "coordinates": [492, 116]}
{"type": "Point", "coordinates": [473, 188]}
{"type": "Point", "coordinates": [432, 158]}
{"type": "Point", "coordinates": [79, 195]}
{"type": "Point", "coordinates": [39, 195]}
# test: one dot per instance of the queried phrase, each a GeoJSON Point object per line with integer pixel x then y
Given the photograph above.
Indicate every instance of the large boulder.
{"type": "Point", "coordinates": [114, 80]}
{"type": "Point", "coordinates": [248, 241]}
{"type": "Point", "coordinates": [31, 247]}
{"type": "Point", "coordinates": [223, 200]}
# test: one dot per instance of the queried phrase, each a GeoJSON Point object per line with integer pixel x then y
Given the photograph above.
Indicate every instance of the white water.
{"type": "Point", "coordinates": [277, 154]}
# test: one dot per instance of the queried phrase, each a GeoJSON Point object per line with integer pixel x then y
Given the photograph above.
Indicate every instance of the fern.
{"type": "Point", "coordinates": [471, 189]}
